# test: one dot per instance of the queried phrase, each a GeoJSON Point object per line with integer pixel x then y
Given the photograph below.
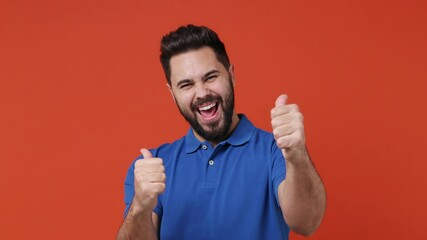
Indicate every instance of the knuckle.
{"type": "Point", "coordinates": [301, 116]}
{"type": "Point", "coordinates": [274, 122]}
{"type": "Point", "coordinates": [158, 160]}
{"type": "Point", "coordinates": [137, 176]}
{"type": "Point", "coordinates": [139, 180]}
{"type": "Point", "coordinates": [152, 195]}
{"type": "Point", "coordinates": [273, 112]}
{"type": "Point", "coordinates": [149, 160]}
{"type": "Point", "coordinates": [298, 116]}
{"type": "Point", "coordinates": [276, 133]}
{"type": "Point", "coordinates": [159, 188]}
{"type": "Point", "coordinates": [286, 142]}
{"type": "Point", "coordinates": [302, 137]}
{"type": "Point", "coordinates": [138, 163]}
{"type": "Point", "coordinates": [279, 142]}
{"type": "Point", "coordinates": [143, 190]}
{"type": "Point", "coordinates": [300, 126]}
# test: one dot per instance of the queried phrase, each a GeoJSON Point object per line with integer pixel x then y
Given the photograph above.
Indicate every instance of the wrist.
{"type": "Point", "coordinates": [297, 157]}
{"type": "Point", "coordinates": [137, 209]}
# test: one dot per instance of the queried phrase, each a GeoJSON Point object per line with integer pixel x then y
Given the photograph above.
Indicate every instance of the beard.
{"type": "Point", "coordinates": [216, 131]}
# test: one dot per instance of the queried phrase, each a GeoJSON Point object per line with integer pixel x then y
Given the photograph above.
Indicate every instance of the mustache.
{"type": "Point", "coordinates": [208, 98]}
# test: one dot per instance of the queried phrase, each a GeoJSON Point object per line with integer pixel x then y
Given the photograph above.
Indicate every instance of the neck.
{"type": "Point", "coordinates": [235, 120]}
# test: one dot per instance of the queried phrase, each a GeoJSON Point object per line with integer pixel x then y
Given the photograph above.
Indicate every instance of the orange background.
{"type": "Point", "coordinates": [81, 90]}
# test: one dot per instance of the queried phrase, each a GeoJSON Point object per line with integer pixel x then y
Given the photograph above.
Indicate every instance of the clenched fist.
{"type": "Point", "coordinates": [149, 180]}
{"type": "Point", "coordinates": [288, 129]}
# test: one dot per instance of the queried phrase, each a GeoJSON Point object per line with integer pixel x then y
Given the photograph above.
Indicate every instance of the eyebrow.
{"type": "Point", "coordinates": [209, 73]}
{"type": "Point", "coordinates": [183, 81]}
{"type": "Point", "coordinates": [206, 75]}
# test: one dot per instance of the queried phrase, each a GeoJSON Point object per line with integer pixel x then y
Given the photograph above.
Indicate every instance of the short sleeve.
{"type": "Point", "coordinates": [129, 188]}
{"type": "Point", "coordinates": [278, 169]}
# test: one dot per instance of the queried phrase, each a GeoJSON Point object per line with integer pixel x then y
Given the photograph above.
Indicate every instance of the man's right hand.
{"type": "Point", "coordinates": [149, 181]}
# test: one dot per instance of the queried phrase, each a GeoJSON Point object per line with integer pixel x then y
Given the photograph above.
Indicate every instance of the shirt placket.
{"type": "Point", "coordinates": [211, 167]}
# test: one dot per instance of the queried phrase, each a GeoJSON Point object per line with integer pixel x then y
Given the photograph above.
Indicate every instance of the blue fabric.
{"type": "Point", "coordinates": [235, 198]}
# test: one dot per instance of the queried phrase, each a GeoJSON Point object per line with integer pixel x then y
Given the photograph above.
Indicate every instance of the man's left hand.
{"type": "Point", "coordinates": [288, 130]}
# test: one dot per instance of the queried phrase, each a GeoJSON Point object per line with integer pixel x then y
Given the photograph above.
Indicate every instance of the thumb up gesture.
{"type": "Point", "coordinates": [149, 179]}
{"type": "Point", "coordinates": [288, 129]}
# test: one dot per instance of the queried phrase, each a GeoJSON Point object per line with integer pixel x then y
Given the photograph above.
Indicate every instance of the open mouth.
{"type": "Point", "coordinates": [208, 110]}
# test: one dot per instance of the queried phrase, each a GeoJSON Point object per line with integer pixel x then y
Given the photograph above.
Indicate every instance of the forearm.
{"type": "Point", "coordinates": [138, 225]}
{"type": "Point", "coordinates": [303, 196]}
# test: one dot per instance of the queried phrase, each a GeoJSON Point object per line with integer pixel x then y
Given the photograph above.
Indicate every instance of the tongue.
{"type": "Point", "coordinates": [208, 113]}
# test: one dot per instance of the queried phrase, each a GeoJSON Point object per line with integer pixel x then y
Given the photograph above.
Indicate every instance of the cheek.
{"type": "Point", "coordinates": [223, 90]}
{"type": "Point", "coordinates": [218, 88]}
{"type": "Point", "coordinates": [184, 100]}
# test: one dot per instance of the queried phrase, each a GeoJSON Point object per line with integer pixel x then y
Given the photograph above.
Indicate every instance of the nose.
{"type": "Point", "coordinates": [201, 91]}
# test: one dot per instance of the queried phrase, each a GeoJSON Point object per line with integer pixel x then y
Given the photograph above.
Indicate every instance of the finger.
{"type": "Point", "coordinates": [152, 190]}
{"type": "Point", "coordinates": [146, 153]}
{"type": "Point", "coordinates": [285, 142]}
{"type": "Point", "coordinates": [150, 165]}
{"type": "Point", "coordinates": [280, 110]}
{"type": "Point", "coordinates": [290, 141]}
{"type": "Point", "coordinates": [155, 177]}
{"type": "Point", "coordinates": [295, 128]}
{"type": "Point", "coordinates": [158, 187]}
{"type": "Point", "coordinates": [283, 131]}
{"type": "Point", "coordinates": [286, 119]}
{"type": "Point", "coordinates": [281, 100]}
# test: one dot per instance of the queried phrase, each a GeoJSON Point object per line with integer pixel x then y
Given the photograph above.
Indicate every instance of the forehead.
{"type": "Point", "coordinates": [194, 64]}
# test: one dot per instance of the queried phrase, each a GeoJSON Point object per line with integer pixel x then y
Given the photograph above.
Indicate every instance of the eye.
{"type": "Point", "coordinates": [211, 77]}
{"type": "Point", "coordinates": [184, 85]}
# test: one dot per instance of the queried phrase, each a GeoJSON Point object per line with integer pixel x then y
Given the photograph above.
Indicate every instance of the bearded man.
{"type": "Point", "coordinates": [225, 179]}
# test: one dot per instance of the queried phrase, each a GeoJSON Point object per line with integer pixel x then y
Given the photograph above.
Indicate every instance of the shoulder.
{"type": "Point", "coordinates": [262, 137]}
{"type": "Point", "coordinates": [169, 148]}
{"type": "Point", "coordinates": [264, 142]}
{"type": "Point", "coordinates": [246, 131]}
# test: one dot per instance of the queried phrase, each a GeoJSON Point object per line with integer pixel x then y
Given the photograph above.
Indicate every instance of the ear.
{"type": "Point", "coordinates": [231, 72]}
{"type": "Point", "coordinates": [170, 90]}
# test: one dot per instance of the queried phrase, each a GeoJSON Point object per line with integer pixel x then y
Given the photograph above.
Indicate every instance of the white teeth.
{"type": "Point", "coordinates": [207, 107]}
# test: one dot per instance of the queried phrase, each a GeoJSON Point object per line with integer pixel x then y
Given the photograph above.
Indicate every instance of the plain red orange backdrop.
{"type": "Point", "coordinates": [81, 90]}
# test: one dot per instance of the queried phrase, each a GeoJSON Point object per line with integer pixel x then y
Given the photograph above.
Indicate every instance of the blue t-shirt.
{"type": "Point", "coordinates": [226, 192]}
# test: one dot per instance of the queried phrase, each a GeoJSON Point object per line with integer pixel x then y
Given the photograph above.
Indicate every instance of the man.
{"type": "Point", "coordinates": [226, 179]}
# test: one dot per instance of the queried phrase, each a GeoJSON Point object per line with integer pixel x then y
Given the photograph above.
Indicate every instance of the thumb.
{"type": "Point", "coordinates": [146, 153]}
{"type": "Point", "coordinates": [281, 100]}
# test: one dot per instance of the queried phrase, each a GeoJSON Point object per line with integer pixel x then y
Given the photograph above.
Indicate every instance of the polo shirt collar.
{"type": "Point", "coordinates": [241, 135]}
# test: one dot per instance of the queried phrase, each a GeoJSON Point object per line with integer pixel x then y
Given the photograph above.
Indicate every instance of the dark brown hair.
{"type": "Point", "coordinates": [188, 38]}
